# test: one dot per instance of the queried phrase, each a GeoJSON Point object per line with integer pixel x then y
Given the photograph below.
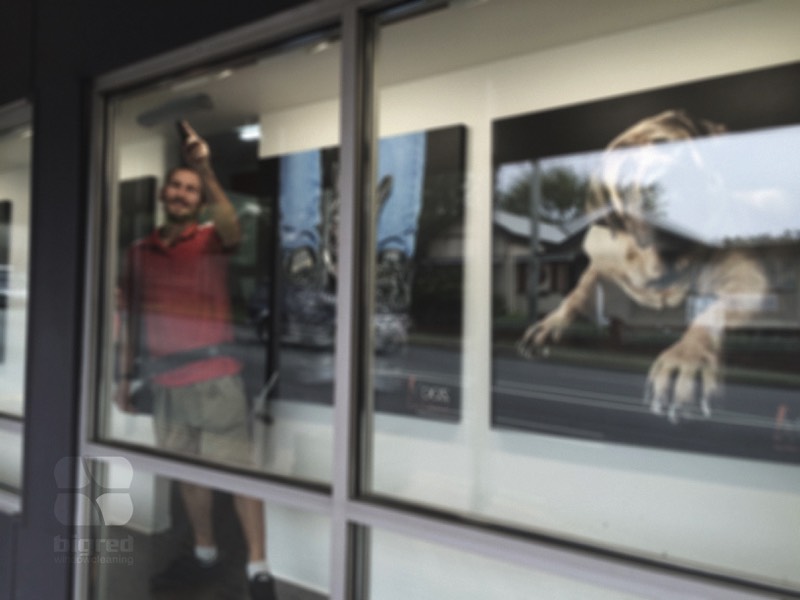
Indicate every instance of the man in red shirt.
{"type": "Point", "coordinates": [177, 282]}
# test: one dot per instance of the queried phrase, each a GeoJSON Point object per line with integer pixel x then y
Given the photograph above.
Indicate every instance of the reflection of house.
{"type": "Point", "coordinates": [782, 306]}
{"type": "Point", "coordinates": [561, 261]}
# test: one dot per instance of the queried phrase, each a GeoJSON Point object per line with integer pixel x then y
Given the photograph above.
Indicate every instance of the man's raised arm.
{"type": "Point", "coordinates": [223, 214]}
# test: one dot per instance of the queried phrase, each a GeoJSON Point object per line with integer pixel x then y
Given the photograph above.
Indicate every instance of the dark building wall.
{"type": "Point", "coordinates": [117, 33]}
{"type": "Point", "coordinates": [16, 59]}
{"type": "Point", "coordinates": [50, 51]}
{"type": "Point", "coordinates": [16, 50]}
{"type": "Point", "coordinates": [7, 548]}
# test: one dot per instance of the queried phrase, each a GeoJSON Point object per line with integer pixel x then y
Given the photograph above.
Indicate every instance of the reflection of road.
{"type": "Point", "coordinates": [620, 390]}
{"type": "Point", "coordinates": [401, 380]}
{"type": "Point", "coordinates": [307, 374]}
{"type": "Point", "coordinates": [566, 383]}
{"type": "Point", "coordinates": [599, 403]}
{"type": "Point", "coordinates": [543, 395]}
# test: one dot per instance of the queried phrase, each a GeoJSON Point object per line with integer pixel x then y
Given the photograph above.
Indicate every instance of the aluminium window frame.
{"type": "Point", "coordinates": [16, 114]}
{"type": "Point", "coordinates": [351, 515]}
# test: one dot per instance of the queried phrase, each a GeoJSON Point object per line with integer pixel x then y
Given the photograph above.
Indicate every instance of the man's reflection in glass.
{"type": "Point", "coordinates": [177, 285]}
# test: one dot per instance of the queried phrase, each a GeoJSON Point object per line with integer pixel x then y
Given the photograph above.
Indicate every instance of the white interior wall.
{"type": "Point", "coordinates": [148, 158]}
{"type": "Point", "coordinates": [300, 128]}
{"type": "Point", "coordinates": [403, 567]}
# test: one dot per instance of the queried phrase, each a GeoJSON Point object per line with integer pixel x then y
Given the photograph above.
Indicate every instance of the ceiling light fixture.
{"type": "Point", "coordinates": [249, 132]}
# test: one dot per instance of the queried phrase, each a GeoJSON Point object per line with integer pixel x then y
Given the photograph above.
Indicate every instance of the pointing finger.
{"type": "Point", "coordinates": [190, 132]}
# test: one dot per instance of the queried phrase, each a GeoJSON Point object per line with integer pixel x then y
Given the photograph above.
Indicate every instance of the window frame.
{"type": "Point", "coordinates": [351, 514]}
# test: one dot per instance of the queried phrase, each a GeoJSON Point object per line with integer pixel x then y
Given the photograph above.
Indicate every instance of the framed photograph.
{"type": "Point", "coordinates": [646, 283]}
{"type": "Point", "coordinates": [416, 328]}
{"type": "Point", "coordinates": [137, 209]}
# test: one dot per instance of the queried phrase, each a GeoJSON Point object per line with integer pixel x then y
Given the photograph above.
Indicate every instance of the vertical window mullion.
{"type": "Point", "coordinates": [355, 173]}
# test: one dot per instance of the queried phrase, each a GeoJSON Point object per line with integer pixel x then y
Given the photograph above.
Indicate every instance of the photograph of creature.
{"type": "Point", "coordinates": [418, 272]}
{"type": "Point", "coordinates": [656, 272]}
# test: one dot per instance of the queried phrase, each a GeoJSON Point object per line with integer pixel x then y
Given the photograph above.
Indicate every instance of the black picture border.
{"type": "Point", "coordinates": [746, 101]}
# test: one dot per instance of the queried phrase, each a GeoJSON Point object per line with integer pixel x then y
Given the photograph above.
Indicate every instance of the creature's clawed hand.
{"type": "Point", "coordinates": [685, 378]}
{"type": "Point", "coordinates": [540, 333]}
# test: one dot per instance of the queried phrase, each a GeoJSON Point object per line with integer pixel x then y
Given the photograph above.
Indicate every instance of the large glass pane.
{"type": "Point", "coordinates": [137, 540]}
{"type": "Point", "coordinates": [591, 269]}
{"type": "Point", "coordinates": [15, 200]}
{"type": "Point", "coordinates": [220, 278]}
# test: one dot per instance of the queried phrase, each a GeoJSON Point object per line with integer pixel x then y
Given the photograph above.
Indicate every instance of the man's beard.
{"type": "Point", "coordinates": [183, 218]}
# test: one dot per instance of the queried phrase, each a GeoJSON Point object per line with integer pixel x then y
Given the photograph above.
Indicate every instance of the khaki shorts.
{"type": "Point", "coordinates": [206, 419]}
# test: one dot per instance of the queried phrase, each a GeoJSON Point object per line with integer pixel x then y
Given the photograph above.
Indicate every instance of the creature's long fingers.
{"type": "Point", "coordinates": [685, 391]}
{"type": "Point", "coordinates": [710, 390]}
{"type": "Point", "coordinates": [527, 343]}
{"type": "Point", "coordinates": [660, 382]}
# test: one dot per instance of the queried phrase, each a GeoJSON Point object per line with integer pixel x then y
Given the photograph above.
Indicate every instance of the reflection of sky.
{"type": "Point", "coordinates": [760, 171]}
{"type": "Point", "coordinates": [509, 174]}
{"type": "Point", "coordinates": [748, 184]}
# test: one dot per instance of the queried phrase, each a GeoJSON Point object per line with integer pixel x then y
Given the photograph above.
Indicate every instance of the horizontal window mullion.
{"type": "Point", "coordinates": [10, 503]}
{"type": "Point", "coordinates": [11, 425]}
{"type": "Point", "coordinates": [625, 576]}
{"type": "Point", "coordinates": [274, 28]}
{"type": "Point", "coordinates": [318, 501]}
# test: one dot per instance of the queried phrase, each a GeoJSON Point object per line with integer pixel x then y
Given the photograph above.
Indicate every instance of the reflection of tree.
{"type": "Point", "coordinates": [789, 236]}
{"type": "Point", "coordinates": [564, 194]}
{"type": "Point", "coordinates": [442, 208]}
{"type": "Point", "coordinates": [651, 200]}
{"type": "Point", "coordinates": [646, 200]}
{"type": "Point", "coordinates": [438, 287]}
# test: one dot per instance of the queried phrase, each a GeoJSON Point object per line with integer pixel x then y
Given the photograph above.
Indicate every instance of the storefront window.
{"type": "Point", "coordinates": [137, 540]}
{"type": "Point", "coordinates": [574, 311]}
{"type": "Point", "coordinates": [587, 252]}
{"type": "Point", "coordinates": [218, 340]}
{"type": "Point", "coordinates": [15, 200]}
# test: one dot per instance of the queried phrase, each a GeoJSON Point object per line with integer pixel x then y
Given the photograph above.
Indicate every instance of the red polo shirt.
{"type": "Point", "coordinates": [183, 294]}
